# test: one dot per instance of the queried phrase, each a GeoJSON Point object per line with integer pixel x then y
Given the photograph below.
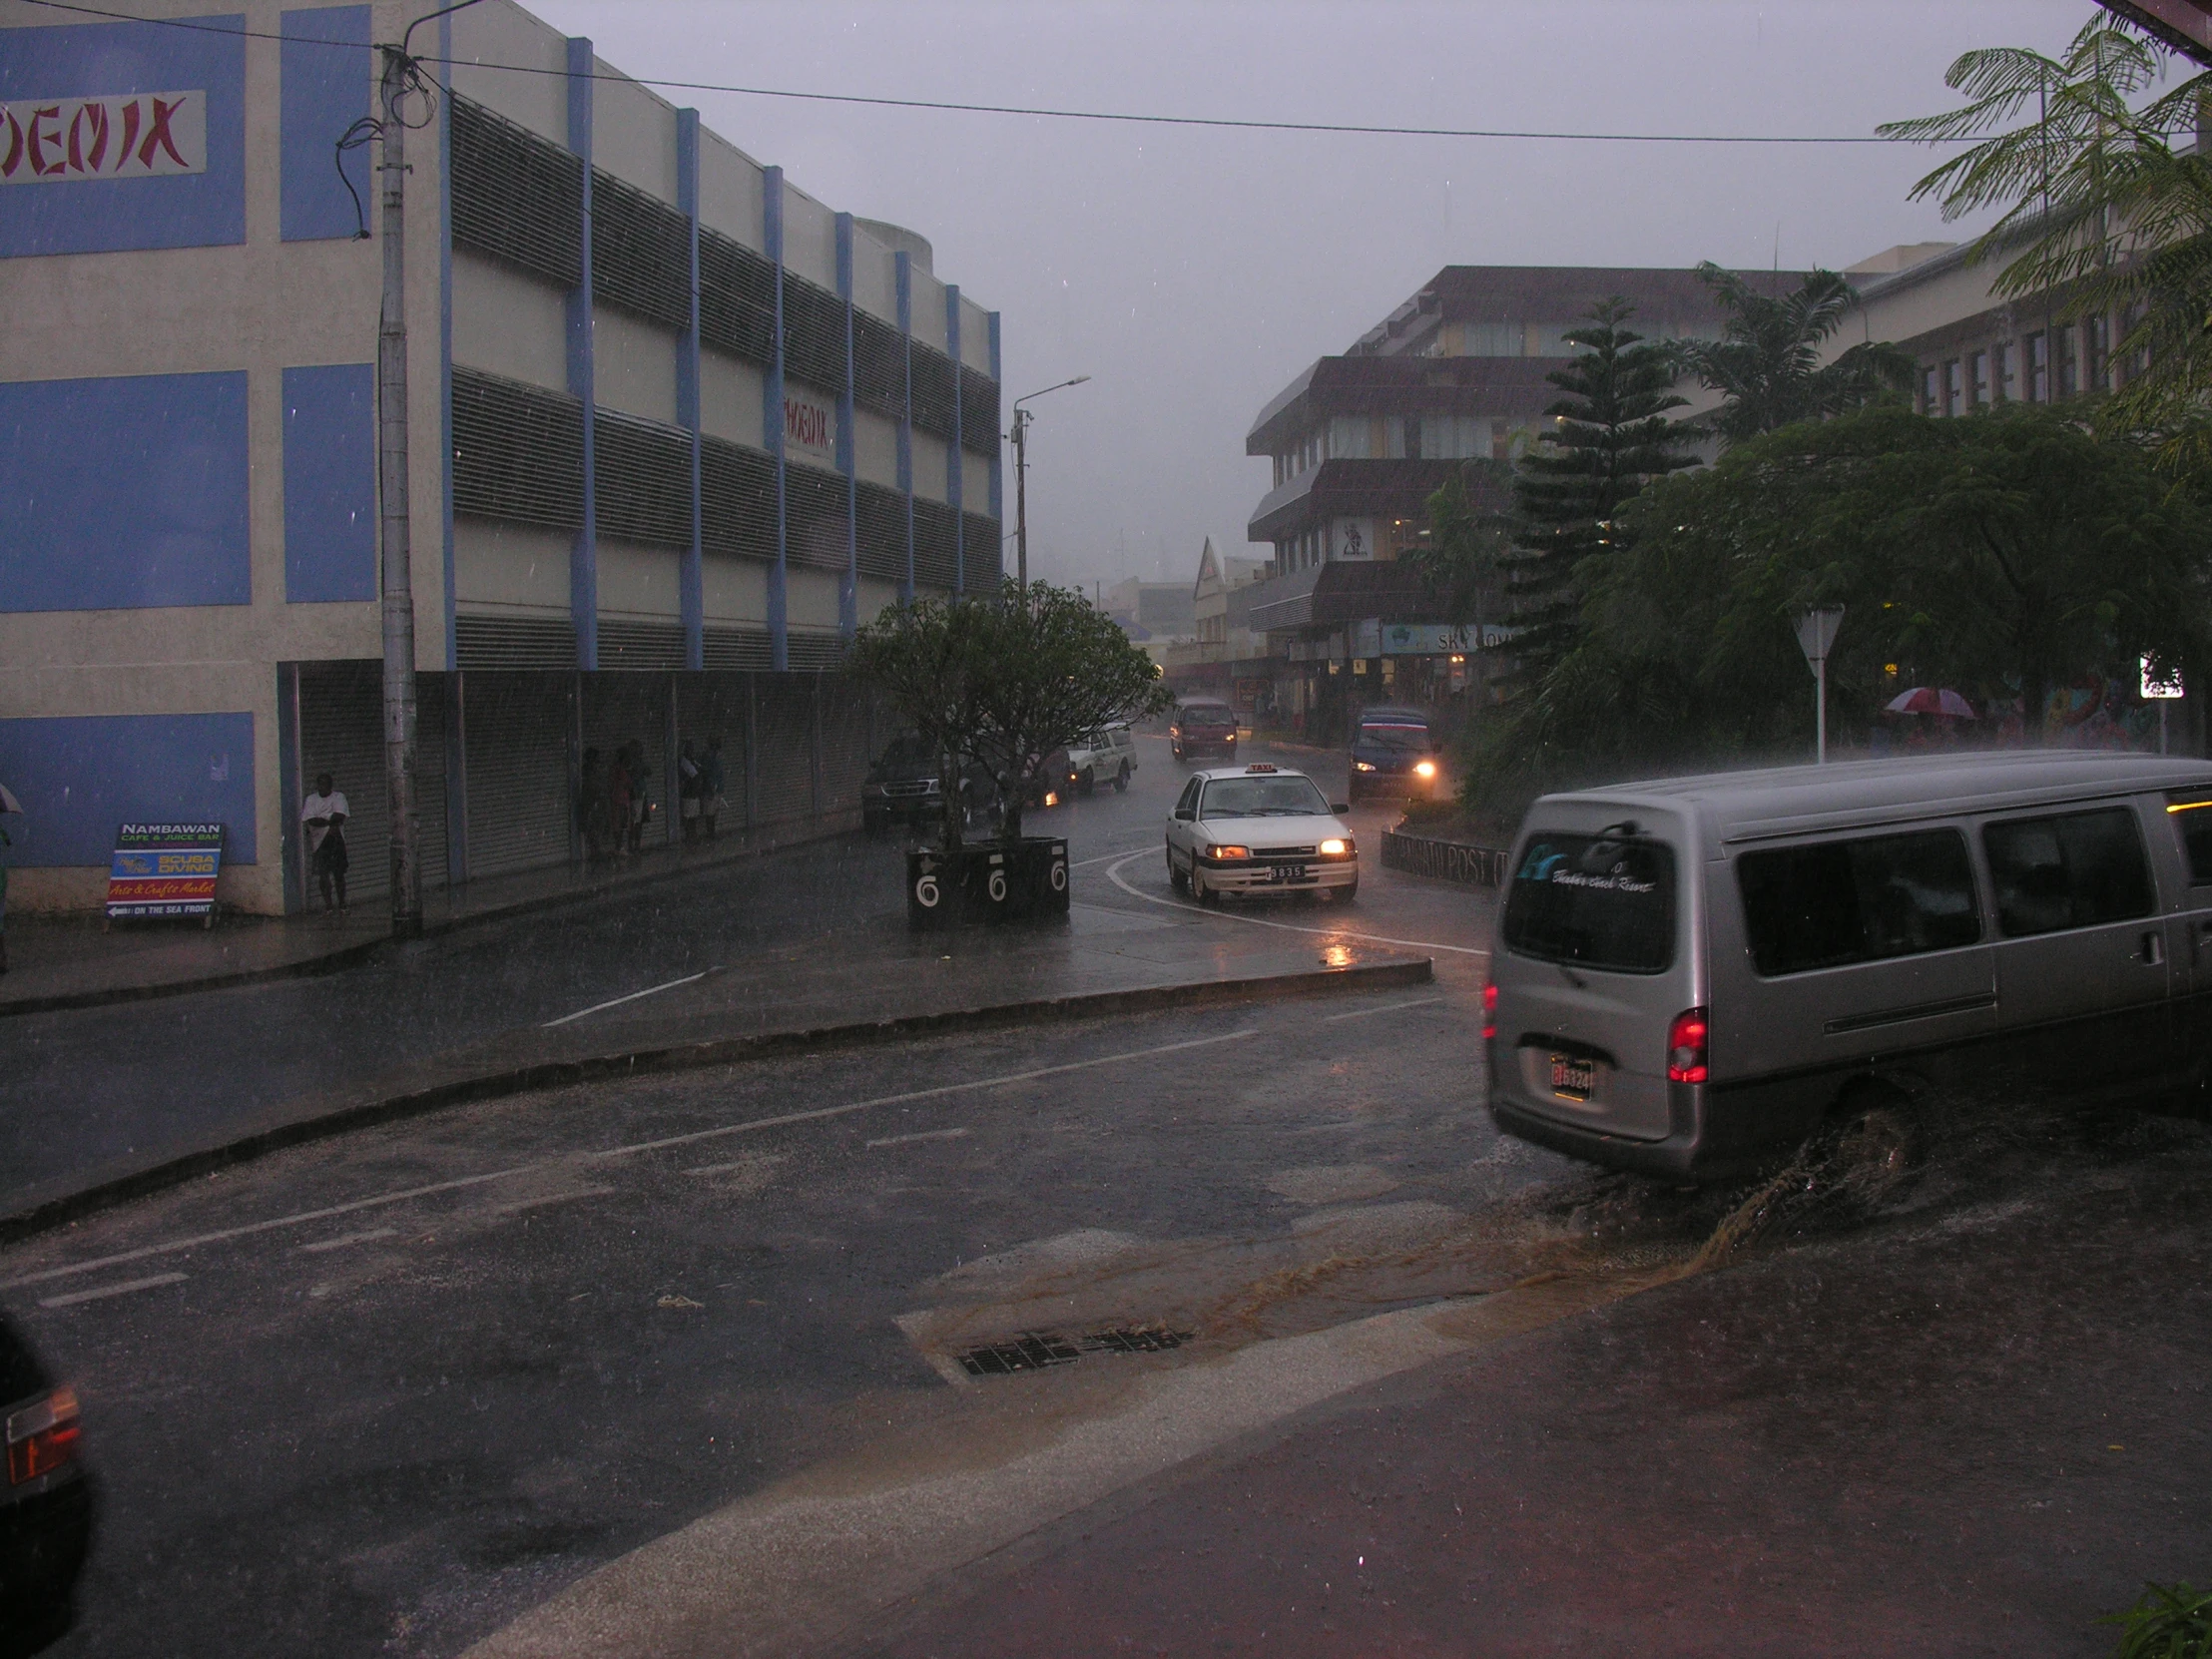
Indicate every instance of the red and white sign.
{"type": "Point", "coordinates": [810, 428]}
{"type": "Point", "coordinates": [140, 135]}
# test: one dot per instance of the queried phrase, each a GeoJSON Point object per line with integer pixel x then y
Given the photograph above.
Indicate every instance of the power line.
{"type": "Point", "coordinates": [1042, 112]}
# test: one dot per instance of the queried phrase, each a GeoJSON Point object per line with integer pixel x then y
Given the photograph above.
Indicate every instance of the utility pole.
{"type": "Point", "coordinates": [398, 550]}
{"type": "Point", "coordinates": [1022, 417]}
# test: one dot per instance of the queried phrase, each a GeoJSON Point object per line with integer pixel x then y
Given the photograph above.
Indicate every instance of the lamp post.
{"type": "Point", "coordinates": [1816, 633]}
{"type": "Point", "coordinates": [1022, 417]}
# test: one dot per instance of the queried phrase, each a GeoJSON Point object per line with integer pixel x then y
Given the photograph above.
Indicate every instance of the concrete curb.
{"type": "Point", "coordinates": [492, 1085]}
{"type": "Point", "coordinates": [1443, 861]}
{"type": "Point", "coordinates": [352, 955]}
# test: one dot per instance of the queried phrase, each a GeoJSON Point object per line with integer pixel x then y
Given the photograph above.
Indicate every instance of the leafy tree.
{"type": "Point", "coordinates": [1461, 561]}
{"type": "Point", "coordinates": [2105, 208]}
{"type": "Point", "coordinates": [1006, 681]}
{"type": "Point", "coordinates": [1606, 439]}
{"type": "Point", "coordinates": [2010, 551]}
{"type": "Point", "coordinates": [1767, 363]}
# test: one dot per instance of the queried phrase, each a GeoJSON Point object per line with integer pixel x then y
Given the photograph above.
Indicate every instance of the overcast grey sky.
{"type": "Point", "coordinates": [1194, 273]}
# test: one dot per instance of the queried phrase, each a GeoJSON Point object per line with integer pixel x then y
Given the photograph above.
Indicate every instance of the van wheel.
{"type": "Point", "coordinates": [1087, 784]}
{"type": "Point", "coordinates": [1876, 1130]}
{"type": "Point", "coordinates": [1121, 779]}
{"type": "Point", "coordinates": [1176, 879]}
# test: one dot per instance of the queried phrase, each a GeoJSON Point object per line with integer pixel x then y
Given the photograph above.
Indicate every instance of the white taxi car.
{"type": "Point", "coordinates": [1258, 830]}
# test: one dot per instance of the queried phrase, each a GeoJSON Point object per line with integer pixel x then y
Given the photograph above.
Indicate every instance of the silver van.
{"type": "Point", "coordinates": [1691, 973]}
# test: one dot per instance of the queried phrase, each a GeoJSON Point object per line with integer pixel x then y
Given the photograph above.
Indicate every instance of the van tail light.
{"type": "Point", "coordinates": [1686, 1037]}
{"type": "Point", "coordinates": [42, 1436]}
{"type": "Point", "coordinates": [1490, 1012]}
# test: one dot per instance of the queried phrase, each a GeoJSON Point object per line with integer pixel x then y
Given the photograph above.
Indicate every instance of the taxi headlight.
{"type": "Point", "coordinates": [1221, 855]}
{"type": "Point", "coordinates": [1426, 769]}
{"type": "Point", "coordinates": [1337, 848]}
{"type": "Point", "coordinates": [1363, 766]}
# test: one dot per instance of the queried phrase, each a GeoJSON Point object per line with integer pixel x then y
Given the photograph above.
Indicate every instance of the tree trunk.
{"type": "Point", "coordinates": [1010, 804]}
{"type": "Point", "coordinates": [2034, 706]}
{"type": "Point", "coordinates": [956, 808]}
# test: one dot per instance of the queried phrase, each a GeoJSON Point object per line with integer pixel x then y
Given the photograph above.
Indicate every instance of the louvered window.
{"type": "Point", "coordinates": [882, 537]}
{"type": "Point", "coordinates": [738, 499]}
{"type": "Point", "coordinates": [518, 451]}
{"type": "Point", "coordinates": [642, 480]}
{"type": "Point", "coordinates": [813, 334]}
{"type": "Point", "coordinates": [934, 391]}
{"type": "Point", "coordinates": [736, 298]}
{"type": "Point", "coordinates": [983, 552]}
{"type": "Point", "coordinates": [814, 504]}
{"type": "Point", "coordinates": [936, 552]}
{"type": "Point", "coordinates": [517, 197]}
{"type": "Point", "coordinates": [978, 412]}
{"type": "Point", "coordinates": [640, 252]}
{"type": "Point", "coordinates": [878, 365]}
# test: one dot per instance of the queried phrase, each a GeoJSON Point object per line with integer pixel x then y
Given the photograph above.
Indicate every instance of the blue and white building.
{"type": "Point", "coordinates": [677, 428]}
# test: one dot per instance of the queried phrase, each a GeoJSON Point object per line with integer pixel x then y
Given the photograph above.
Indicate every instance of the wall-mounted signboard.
{"type": "Point", "coordinates": [165, 870]}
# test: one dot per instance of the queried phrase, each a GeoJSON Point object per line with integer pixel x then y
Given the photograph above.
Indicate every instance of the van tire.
{"type": "Point", "coordinates": [1121, 779]}
{"type": "Point", "coordinates": [1878, 1125]}
{"type": "Point", "coordinates": [1087, 784]}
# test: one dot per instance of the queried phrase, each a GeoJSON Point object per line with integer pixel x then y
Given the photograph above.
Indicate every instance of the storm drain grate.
{"type": "Point", "coordinates": [1036, 1350]}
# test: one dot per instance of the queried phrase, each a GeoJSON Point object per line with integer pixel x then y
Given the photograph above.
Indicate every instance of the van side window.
{"type": "Point", "coordinates": [1865, 901]}
{"type": "Point", "coordinates": [1601, 901]}
{"type": "Point", "coordinates": [2072, 871]}
{"type": "Point", "coordinates": [2192, 820]}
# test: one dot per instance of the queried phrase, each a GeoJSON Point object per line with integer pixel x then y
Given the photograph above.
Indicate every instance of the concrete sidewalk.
{"type": "Point", "coordinates": [1978, 1431]}
{"type": "Point", "coordinates": [73, 962]}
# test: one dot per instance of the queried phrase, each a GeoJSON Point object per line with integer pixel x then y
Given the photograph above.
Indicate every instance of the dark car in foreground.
{"type": "Point", "coordinates": [1393, 754]}
{"type": "Point", "coordinates": [45, 1504]}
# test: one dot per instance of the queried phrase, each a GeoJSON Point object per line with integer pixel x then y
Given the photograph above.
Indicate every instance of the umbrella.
{"type": "Point", "coordinates": [1931, 699]}
{"type": "Point", "coordinates": [8, 802]}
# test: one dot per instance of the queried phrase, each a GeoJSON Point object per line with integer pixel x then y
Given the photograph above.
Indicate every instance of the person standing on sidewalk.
{"type": "Point", "coordinates": [710, 787]}
{"type": "Point", "coordinates": [688, 777]}
{"type": "Point", "coordinates": [619, 786]}
{"type": "Point", "coordinates": [324, 813]}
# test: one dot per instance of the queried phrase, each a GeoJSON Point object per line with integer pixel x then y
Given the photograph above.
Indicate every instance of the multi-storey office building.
{"type": "Point", "coordinates": [675, 428]}
{"type": "Point", "coordinates": [1359, 442]}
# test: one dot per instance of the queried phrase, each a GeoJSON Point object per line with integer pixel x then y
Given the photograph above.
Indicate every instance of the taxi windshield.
{"type": "Point", "coordinates": [1262, 798]}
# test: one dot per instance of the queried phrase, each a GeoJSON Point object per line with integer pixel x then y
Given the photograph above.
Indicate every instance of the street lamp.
{"type": "Point", "coordinates": [1022, 417]}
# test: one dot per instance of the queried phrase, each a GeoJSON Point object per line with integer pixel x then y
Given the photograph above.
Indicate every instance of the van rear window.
{"type": "Point", "coordinates": [1601, 901]}
{"type": "Point", "coordinates": [2192, 816]}
{"type": "Point", "coordinates": [1864, 900]}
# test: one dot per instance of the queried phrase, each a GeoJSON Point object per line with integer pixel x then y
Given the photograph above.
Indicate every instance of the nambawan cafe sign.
{"type": "Point", "coordinates": [140, 135]}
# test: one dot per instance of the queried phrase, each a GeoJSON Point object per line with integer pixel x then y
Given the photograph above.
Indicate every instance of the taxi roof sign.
{"type": "Point", "coordinates": [1259, 766]}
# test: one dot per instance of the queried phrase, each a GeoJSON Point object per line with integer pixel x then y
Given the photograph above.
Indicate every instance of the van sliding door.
{"type": "Point", "coordinates": [2190, 815]}
{"type": "Point", "coordinates": [2084, 958]}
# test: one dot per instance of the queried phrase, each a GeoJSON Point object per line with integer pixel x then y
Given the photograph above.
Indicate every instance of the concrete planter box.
{"type": "Point", "coordinates": [1476, 867]}
{"type": "Point", "coordinates": [989, 881]}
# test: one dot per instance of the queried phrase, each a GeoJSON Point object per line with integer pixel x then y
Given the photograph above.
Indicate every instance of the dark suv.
{"type": "Point", "coordinates": [1203, 726]}
{"type": "Point", "coordinates": [1392, 754]}
{"type": "Point", "coordinates": [45, 1504]}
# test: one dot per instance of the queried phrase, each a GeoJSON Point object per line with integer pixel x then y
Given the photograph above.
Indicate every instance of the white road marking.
{"type": "Point", "coordinates": [650, 990]}
{"type": "Point", "coordinates": [924, 1135]}
{"type": "Point", "coordinates": [124, 1289]}
{"type": "Point", "coordinates": [1113, 874]}
{"type": "Point", "coordinates": [943, 1089]}
{"type": "Point", "coordinates": [344, 1238]}
{"type": "Point", "coordinates": [550, 1197]}
{"type": "Point", "coordinates": [249, 1229]}
{"type": "Point", "coordinates": [1386, 1008]}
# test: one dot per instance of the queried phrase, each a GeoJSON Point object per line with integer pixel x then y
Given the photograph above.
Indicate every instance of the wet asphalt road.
{"type": "Point", "coordinates": [352, 1422]}
{"type": "Point", "coordinates": [96, 1089]}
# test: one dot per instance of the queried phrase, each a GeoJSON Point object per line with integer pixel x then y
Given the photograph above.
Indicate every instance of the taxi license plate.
{"type": "Point", "coordinates": [1574, 1077]}
{"type": "Point", "coordinates": [1287, 873]}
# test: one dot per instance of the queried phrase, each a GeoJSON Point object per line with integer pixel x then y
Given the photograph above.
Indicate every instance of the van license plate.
{"type": "Point", "coordinates": [1287, 873]}
{"type": "Point", "coordinates": [1573, 1077]}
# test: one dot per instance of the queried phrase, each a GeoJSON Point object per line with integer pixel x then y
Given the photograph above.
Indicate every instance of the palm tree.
{"type": "Point", "coordinates": [1767, 363]}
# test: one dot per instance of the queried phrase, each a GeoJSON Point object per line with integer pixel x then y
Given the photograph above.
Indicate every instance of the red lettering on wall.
{"type": "Point", "coordinates": [14, 157]}
{"type": "Point", "coordinates": [129, 131]}
{"type": "Point", "coordinates": [39, 136]}
{"type": "Point", "coordinates": [159, 134]}
{"type": "Point", "coordinates": [95, 118]}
